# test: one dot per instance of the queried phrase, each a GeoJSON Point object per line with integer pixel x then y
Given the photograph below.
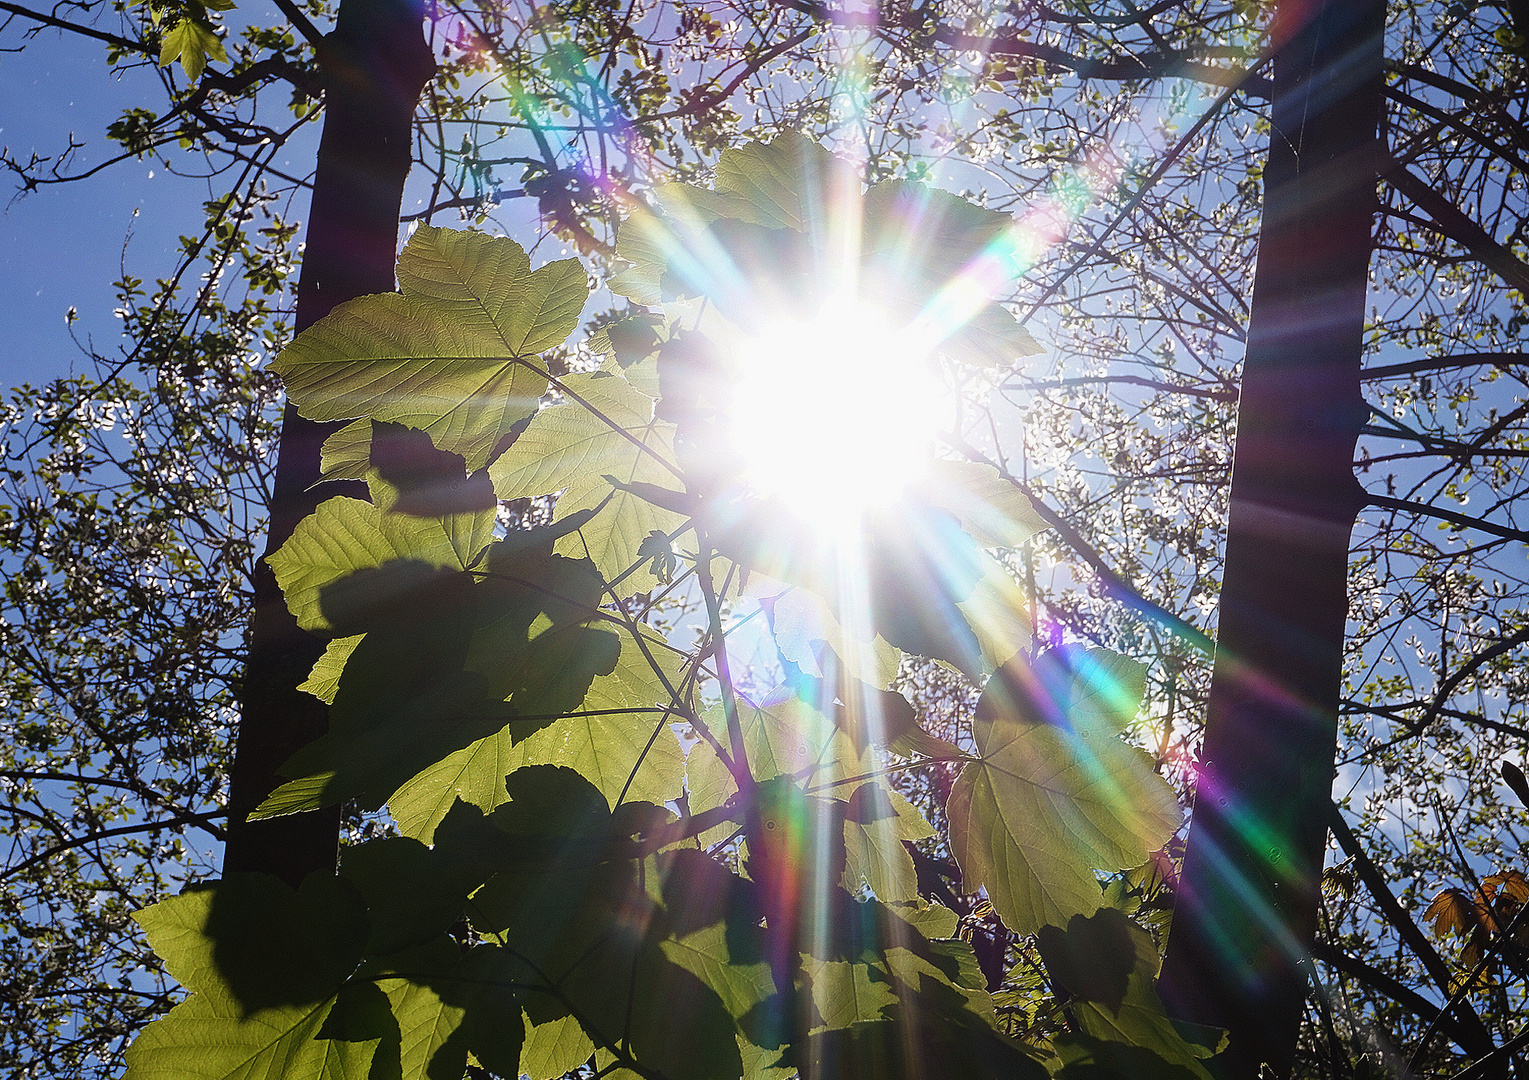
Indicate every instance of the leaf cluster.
{"type": "Point", "coordinates": [611, 851]}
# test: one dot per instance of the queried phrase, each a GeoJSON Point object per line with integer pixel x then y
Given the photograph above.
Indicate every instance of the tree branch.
{"type": "Point", "coordinates": [1474, 1035]}
{"type": "Point", "coordinates": [1389, 985]}
{"type": "Point", "coordinates": [1501, 360]}
{"type": "Point", "coordinates": [1454, 224]}
{"type": "Point", "coordinates": [1130, 380]}
{"type": "Point", "coordinates": [75, 28]}
{"type": "Point", "coordinates": [1169, 64]}
{"type": "Point", "coordinates": [1464, 671]}
{"type": "Point", "coordinates": [310, 33]}
{"type": "Point", "coordinates": [1110, 581]}
{"type": "Point", "coordinates": [1463, 520]}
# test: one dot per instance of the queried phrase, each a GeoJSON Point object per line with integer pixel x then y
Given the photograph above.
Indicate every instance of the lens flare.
{"type": "Point", "coordinates": [835, 414]}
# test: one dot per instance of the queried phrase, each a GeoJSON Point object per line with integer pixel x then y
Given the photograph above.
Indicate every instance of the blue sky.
{"type": "Point", "coordinates": [65, 244]}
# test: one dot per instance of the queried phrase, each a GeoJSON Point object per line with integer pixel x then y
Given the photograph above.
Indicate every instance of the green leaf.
{"type": "Point", "coordinates": [606, 751]}
{"type": "Point", "coordinates": [449, 658]}
{"type": "Point", "coordinates": [678, 1025]}
{"type": "Point", "coordinates": [1109, 964]}
{"type": "Point", "coordinates": [643, 242]}
{"type": "Point", "coordinates": [920, 568]}
{"type": "Point", "coordinates": [921, 248]}
{"type": "Point", "coordinates": [264, 964]}
{"type": "Point", "coordinates": [1056, 793]}
{"type": "Point", "coordinates": [347, 454]}
{"type": "Point", "coordinates": [992, 510]}
{"type": "Point", "coordinates": [370, 762]}
{"type": "Point", "coordinates": [803, 623]}
{"type": "Point", "coordinates": [991, 337]}
{"type": "Point", "coordinates": [426, 1026]}
{"type": "Point", "coordinates": [784, 737]}
{"type": "Point", "coordinates": [928, 1035]}
{"type": "Point", "coordinates": [705, 954]}
{"type": "Point", "coordinates": [253, 943]}
{"type": "Point", "coordinates": [191, 42]}
{"type": "Point", "coordinates": [324, 679]}
{"type": "Point", "coordinates": [932, 234]}
{"type": "Point", "coordinates": [454, 355]}
{"type": "Point", "coordinates": [647, 673]}
{"type": "Point", "coordinates": [448, 1004]}
{"type": "Point", "coordinates": [606, 428]}
{"type": "Point", "coordinates": [845, 993]}
{"type": "Point", "coordinates": [997, 612]}
{"type": "Point", "coordinates": [474, 775]}
{"type": "Point", "coordinates": [403, 699]}
{"type": "Point", "coordinates": [346, 535]}
{"type": "Point", "coordinates": [786, 183]}
{"type": "Point", "coordinates": [408, 475]}
{"type": "Point", "coordinates": [543, 671]}
{"type": "Point", "coordinates": [1085, 1057]}
{"type": "Point", "coordinates": [554, 1049]}
{"type": "Point", "coordinates": [874, 851]}
{"type": "Point", "coordinates": [1093, 958]}
{"type": "Point", "coordinates": [918, 240]}
{"type": "Point", "coordinates": [361, 1014]}
{"type": "Point", "coordinates": [413, 893]}
{"type": "Point", "coordinates": [204, 1038]}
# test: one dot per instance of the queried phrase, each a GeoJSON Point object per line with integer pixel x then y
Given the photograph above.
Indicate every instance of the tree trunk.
{"type": "Point", "coordinates": [374, 63]}
{"type": "Point", "coordinates": [1247, 907]}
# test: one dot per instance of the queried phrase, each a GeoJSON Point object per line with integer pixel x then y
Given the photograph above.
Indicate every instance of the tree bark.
{"type": "Point", "coordinates": [1247, 906]}
{"type": "Point", "coordinates": [374, 65]}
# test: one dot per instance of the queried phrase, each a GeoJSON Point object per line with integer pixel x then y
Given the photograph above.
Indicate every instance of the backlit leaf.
{"type": "Point", "coordinates": [426, 1025]}
{"type": "Point", "coordinates": [1108, 963]}
{"type": "Point", "coordinates": [324, 679]}
{"type": "Point", "coordinates": [992, 510]}
{"type": "Point", "coordinates": [846, 993]}
{"type": "Point", "coordinates": [474, 774]}
{"type": "Point", "coordinates": [1056, 793]}
{"type": "Point", "coordinates": [705, 955]}
{"type": "Point", "coordinates": [785, 183]}
{"type": "Point", "coordinates": [204, 1039]}
{"type": "Point", "coordinates": [345, 535]}
{"type": "Point", "coordinates": [453, 355]}
{"type": "Point", "coordinates": [607, 750]}
{"type": "Point", "coordinates": [607, 429]}
{"type": "Point", "coordinates": [253, 943]}
{"type": "Point", "coordinates": [553, 1049]}
{"type": "Point", "coordinates": [347, 454]}
{"type": "Point", "coordinates": [193, 43]}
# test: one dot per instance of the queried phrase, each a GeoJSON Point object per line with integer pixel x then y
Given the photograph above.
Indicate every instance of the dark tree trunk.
{"type": "Point", "coordinates": [1247, 908]}
{"type": "Point", "coordinates": [375, 63]}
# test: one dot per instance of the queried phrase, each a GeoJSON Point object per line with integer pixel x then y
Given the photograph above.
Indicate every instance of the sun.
{"type": "Point", "coordinates": [834, 415]}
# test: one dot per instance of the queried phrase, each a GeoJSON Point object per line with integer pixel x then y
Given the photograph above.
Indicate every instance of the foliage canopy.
{"type": "Point", "coordinates": [1131, 137]}
{"type": "Point", "coordinates": [609, 846]}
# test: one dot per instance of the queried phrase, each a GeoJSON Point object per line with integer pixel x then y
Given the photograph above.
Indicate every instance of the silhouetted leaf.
{"type": "Point", "coordinates": [1112, 963]}
{"type": "Point", "coordinates": [413, 893]}
{"type": "Point", "coordinates": [424, 481]}
{"type": "Point", "coordinates": [1093, 958]}
{"type": "Point", "coordinates": [1083, 1057]}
